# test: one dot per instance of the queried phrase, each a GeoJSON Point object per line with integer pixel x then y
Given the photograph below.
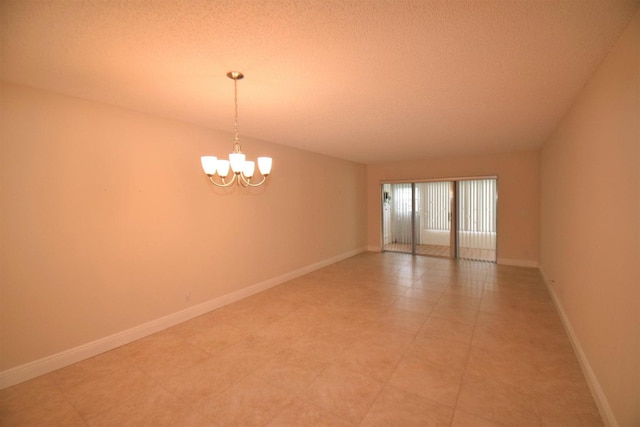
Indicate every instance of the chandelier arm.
{"type": "Point", "coordinates": [248, 183]}
{"type": "Point", "coordinates": [224, 184]}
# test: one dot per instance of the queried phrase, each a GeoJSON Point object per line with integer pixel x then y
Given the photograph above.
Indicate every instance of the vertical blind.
{"type": "Point", "coordinates": [436, 205]}
{"type": "Point", "coordinates": [477, 219]}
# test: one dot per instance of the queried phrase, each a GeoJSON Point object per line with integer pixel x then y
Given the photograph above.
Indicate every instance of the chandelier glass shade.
{"type": "Point", "coordinates": [242, 170]}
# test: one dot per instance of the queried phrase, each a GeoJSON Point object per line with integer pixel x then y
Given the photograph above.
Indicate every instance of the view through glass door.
{"type": "Point", "coordinates": [398, 207]}
{"type": "Point", "coordinates": [417, 218]}
{"type": "Point", "coordinates": [452, 219]}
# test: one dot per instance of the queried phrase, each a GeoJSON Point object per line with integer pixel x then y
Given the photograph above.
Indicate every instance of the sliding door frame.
{"type": "Point", "coordinates": [453, 219]}
{"type": "Point", "coordinates": [453, 209]}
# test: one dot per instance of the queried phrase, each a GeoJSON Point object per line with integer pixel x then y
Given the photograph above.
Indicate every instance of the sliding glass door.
{"type": "Point", "coordinates": [434, 227]}
{"type": "Point", "coordinates": [453, 219]}
{"type": "Point", "coordinates": [398, 218]}
{"type": "Point", "coordinates": [477, 211]}
{"type": "Point", "coordinates": [417, 218]}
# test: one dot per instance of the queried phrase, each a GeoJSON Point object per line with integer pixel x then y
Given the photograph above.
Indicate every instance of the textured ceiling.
{"type": "Point", "coordinates": [369, 81]}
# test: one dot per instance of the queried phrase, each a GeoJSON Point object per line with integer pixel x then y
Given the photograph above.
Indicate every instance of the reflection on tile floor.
{"type": "Point", "coordinates": [374, 340]}
{"type": "Point", "coordinates": [475, 254]}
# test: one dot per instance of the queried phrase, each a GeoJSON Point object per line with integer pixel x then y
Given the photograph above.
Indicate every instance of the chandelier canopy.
{"type": "Point", "coordinates": [242, 170]}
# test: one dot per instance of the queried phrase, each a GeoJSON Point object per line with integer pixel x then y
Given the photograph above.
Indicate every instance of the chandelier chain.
{"type": "Point", "coordinates": [236, 140]}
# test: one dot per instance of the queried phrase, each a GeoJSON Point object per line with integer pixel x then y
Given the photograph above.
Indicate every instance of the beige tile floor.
{"type": "Point", "coordinates": [375, 340]}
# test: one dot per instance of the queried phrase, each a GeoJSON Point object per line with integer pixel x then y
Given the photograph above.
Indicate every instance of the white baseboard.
{"type": "Point", "coordinates": [373, 248]}
{"type": "Point", "coordinates": [51, 363]}
{"type": "Point", "coordinates": [596, 390]}
{"type": "Point", "coordinates": [518, 262]}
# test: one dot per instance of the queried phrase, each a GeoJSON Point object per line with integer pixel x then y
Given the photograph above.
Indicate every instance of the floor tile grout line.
{"type": "Point", "coordinates": [66, 398]}
{"type": "Point", "coordinates": [466, 363]}
{"type": "Point", "coordinates": [387, 382]}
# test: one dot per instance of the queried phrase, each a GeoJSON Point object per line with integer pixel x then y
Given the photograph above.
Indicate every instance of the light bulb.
{"type": "Point", "coordinates": [249, 168]}
{"type": "Point", "coordinates": [264, 165]}
{"type": "Point", "coordinates": [209, 164]}
{"type": "Point", "coordinates": [237, 162]}
{"type": "Point", "coordinates": [223, 167]}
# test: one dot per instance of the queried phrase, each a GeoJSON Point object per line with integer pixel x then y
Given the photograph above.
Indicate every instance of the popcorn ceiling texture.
{"type": "Point", "coordinates": [368, 81]}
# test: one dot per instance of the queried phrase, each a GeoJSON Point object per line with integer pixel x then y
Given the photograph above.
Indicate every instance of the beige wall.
{"type": "Point", "coordinates": [108, 221]}
{"type": "Point", "coordinates": [518, 194]}
{"type": "Point", "coordinates": [589, 226]}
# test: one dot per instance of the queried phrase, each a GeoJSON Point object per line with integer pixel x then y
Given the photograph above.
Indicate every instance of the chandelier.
{"type": "Point", "coordinates": [242, 170]}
